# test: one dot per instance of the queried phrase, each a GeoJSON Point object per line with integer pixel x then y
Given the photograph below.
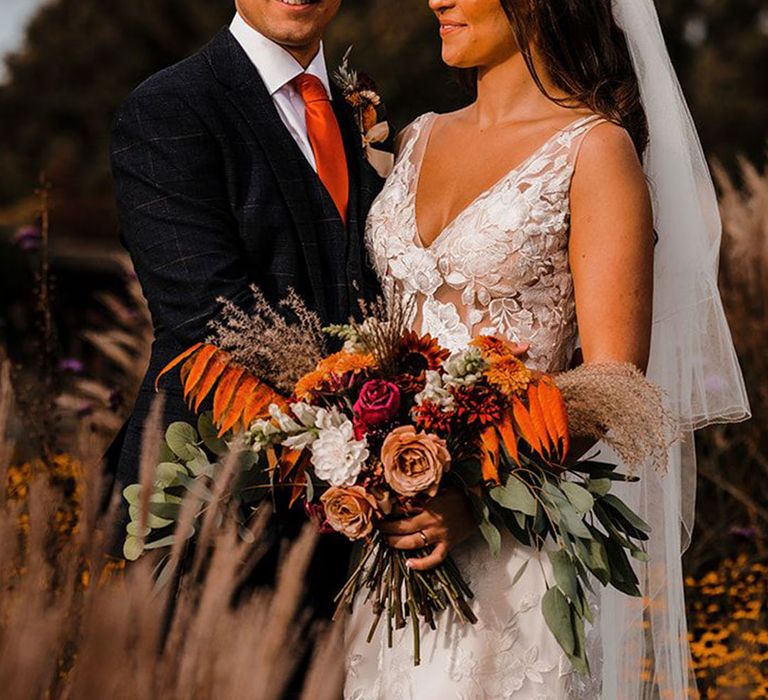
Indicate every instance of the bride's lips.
{"type": "Point", "coordinates": [448, 28]}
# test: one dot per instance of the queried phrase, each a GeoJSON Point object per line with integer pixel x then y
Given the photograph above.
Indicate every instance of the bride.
{"type": "Point", "coordinates": [568, 209]}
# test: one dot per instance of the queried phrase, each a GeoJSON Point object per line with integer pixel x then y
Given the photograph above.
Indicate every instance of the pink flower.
{"type": "Point", "coordinates": [379, 402]}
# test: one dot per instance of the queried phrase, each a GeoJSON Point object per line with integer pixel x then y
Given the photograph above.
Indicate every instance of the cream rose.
{"type": "Point", "coordinates": [349, 510]}
{"type": "Point", "coordinates": [414, 462]}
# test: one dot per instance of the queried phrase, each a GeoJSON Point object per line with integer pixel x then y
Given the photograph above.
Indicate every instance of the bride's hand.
{"type": "Point", "coordinates": [444, 523]}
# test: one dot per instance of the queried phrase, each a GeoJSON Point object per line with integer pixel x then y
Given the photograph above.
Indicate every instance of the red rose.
{"type": "Point", "coordinates": [379, 402]}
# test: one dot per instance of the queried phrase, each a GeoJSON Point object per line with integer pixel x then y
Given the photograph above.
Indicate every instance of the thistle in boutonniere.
{"type": "Point", "coordinates": [370, 115]}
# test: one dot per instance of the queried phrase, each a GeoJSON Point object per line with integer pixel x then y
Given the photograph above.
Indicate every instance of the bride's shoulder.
{"type": "Point", "coordinates": [412, 131]}
{"type": "Point", "coordinates": [603, 141]}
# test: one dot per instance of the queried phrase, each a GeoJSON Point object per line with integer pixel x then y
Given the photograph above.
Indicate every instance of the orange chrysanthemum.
{"type": "Point", "coordinates": [493, 349]}
{"type": "Point", "coordinates": [309, 385]}
{"type": "Point", "coordinates": [510, 376]}
{"type": "Point", "coordinates": [333, 366]}
{"type": "Point", "coordinates": [341, 363]}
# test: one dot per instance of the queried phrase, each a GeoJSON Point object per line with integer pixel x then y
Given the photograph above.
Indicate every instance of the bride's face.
{"type": "Point", "coordinates": [475, 33]}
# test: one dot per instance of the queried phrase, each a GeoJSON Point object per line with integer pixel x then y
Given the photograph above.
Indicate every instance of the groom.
{"type": "Point", "coordinates": [241, 165]}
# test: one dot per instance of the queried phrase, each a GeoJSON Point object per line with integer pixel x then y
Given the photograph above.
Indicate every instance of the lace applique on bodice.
{"type": "Point", "coordinates": [501, 266]}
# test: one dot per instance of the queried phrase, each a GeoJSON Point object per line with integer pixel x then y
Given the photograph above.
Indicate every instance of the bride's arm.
{"type": "Point", "coordinates": [611, 249]}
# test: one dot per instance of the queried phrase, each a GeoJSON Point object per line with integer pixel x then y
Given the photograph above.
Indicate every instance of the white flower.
{"type": "Point", "coordinates": [435, 392]}
{"type": "Point", "coordinates": [263, 434]}
{"type": "Point", "coordinates": [464, 368]}
{"type": "Point", "coordinates": [332, 418]}
{"type": "Point", "coordinates": [306, 414]}
{"type": "Point", "coordinates": [337, 457]}
{"type": "Point", "coordinates": [283, 420]}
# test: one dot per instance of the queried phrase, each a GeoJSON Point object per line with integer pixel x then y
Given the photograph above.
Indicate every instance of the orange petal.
{"type": "Point", "coordinates": [234, 411]}
{"type": "Point", "coordinates": [197, 368]}
{"type": "Point", "coordinates": [537, 417]}
{"type": "Point", "coordinates": [225, 392]}
{"type": "Point", "coordinates": [177, 361]}
{"type": "Point", "coordinates": [288, 461]}
{"type": "Point", "coordinates": [219, 362]}
{"type": "Point", "coordinates": [555, 413]}
{"type": "Point", "coordinates": [525, 425]}
{"type": "Point", "coordinates": [507, 433]}
{"type": "Point", "coordinates": [299, 488]}
{"type": "Point", "coordinates": [490, 464]}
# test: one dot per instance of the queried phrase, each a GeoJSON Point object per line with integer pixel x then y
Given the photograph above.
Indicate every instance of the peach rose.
{"type": "Point", "coordinates": [349, 510]}
{"type": "Point", "coordinates": [414, 462]}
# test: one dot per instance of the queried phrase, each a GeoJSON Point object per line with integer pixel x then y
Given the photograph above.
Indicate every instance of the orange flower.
{"type": "Point", "coordinates": [493, 349]}
{"type": "Point", "coordinates": [350, 510]}
{"type": "Point", "coordinates": [418, 353]}
{"type": "Point", "coordinates": [509, 375]}
{"type": "Point", "coordinates": [309, 385]}
{"type": "Point", "coordinates": [343, 362]}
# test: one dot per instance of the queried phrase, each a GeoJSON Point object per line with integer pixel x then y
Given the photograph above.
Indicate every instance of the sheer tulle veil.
{"type": "Point", "coordinates": [644, 642]}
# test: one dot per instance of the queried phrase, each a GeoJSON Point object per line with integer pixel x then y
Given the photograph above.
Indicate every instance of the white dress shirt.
{"type": "Point", "coordinates": [277, 69]}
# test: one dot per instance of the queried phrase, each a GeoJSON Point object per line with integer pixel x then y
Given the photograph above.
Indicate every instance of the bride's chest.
{"type": "Point", "coordinates": [513, 233]}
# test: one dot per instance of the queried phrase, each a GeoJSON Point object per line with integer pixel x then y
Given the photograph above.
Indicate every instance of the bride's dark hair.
{"type": "Point", "coordinates": [585, 55]}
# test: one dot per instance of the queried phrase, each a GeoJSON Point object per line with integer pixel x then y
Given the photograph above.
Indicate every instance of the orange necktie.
{"type": "Point", "coordinates": [326, 140]}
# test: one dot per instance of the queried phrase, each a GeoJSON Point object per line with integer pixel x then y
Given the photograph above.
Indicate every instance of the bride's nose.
{"type": "Point", "coordinates": [441, 5]}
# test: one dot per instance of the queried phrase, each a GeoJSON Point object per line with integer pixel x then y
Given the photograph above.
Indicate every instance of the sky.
{"type": "Point", "coordinates": [14, 15]}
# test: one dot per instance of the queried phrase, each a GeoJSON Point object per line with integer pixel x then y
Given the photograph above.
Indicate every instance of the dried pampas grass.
{"type": "Point", "coordinates": [277, 344]}
{"type": "Point", "coordinates": [616, 404]}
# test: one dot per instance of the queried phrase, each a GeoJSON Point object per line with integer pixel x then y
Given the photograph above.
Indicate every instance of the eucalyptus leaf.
{"type": "Point", "coordinates": [199, 465]}
{"type": "Point", "coordinates": [573, 522]}
{"type": "Point", "coordinates": [133, 548]}
{"type": "Point", "coordinates": [516, 496]}
{"type": "Point", "coordinates": [134, 528]}
{"type": "Point", "coordinates": [581, 499]}
{"type": "Point", "coordinates": [209, 434]}
{"type": "Point", "coordinates": [634, 519]}
{"type": "Point", "coordinates": [166, 473]}
{"type": "Point", "coordinates": [180, 438]}
{"type": "Point", "coordinates": [565, 573]}
{"type": "Point", "coordinates": [489, 531]}
{"type": "Point", "coordinates": [640, 555]}
{"type": "Point", "coordinates": [520, 572]}
{"type": "Point", "coordinates": [557, 614]}
{"type": "Point", "coordinates": [170, 512]}
{"type": "Point", "coordinates": [132, 494]}
{"type": "Point", "coordinates": [600, 487]}
{"type": "Point", "coordinates": [162, 542]}
{"type": "Point", "coordinates": [579, 657]}
{"type": "Point", "coordinates": [310, 489]}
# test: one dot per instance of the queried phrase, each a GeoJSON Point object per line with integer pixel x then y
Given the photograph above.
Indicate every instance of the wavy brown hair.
{"type": "Point", "coordinates": [584, 54]}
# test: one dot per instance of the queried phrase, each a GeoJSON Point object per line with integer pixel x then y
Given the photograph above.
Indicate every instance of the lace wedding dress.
{"type": "Point", "coordinates": [501, 267]}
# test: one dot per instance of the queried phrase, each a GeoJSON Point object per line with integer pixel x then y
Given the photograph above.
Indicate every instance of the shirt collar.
{"type": "Point", "coordinates": [276, 66]}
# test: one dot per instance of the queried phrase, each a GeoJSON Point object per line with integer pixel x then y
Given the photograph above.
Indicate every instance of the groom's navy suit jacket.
{"type": "Point", "coordinates": [215, 195]}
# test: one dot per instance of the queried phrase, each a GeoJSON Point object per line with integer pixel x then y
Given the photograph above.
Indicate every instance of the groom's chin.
{"type": "Point", "coordinates": [290, 22]}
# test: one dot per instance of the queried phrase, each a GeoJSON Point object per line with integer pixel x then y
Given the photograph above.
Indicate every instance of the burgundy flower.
{"type": "Point", "coordinates": [316, 513]}
{"type": "Point", "coordinates": [378, 402]}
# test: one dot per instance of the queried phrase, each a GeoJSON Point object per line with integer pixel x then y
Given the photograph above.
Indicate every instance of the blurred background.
{"type": "Point", "coordinates": [72, 319]}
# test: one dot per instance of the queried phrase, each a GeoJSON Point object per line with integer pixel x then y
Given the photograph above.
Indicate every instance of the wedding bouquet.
{"type": "Point", "coordinates": [379, 428]}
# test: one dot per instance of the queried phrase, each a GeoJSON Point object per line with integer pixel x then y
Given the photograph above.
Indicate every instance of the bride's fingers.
{"type": "Point", "coordinates": [407, 542]}
{"type": "Point", "coordinates": [406, 526]}
{"type": "Point", "coordinates": [438, 556]}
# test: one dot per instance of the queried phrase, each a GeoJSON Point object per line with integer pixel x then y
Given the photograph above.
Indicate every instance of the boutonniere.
{"type": "Point", "coordinates": [370, 115]}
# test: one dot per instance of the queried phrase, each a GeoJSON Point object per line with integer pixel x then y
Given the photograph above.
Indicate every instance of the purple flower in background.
{"type": "Point", "coordinates": [72, 365]}
{"type": "Point", "coordinates": [748, 533]}
{"type": "Point", "coordinates": [27, 238]}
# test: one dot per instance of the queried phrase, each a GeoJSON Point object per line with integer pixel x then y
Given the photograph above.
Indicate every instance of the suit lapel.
{"type": "Point", "coordinates": [250, 97]}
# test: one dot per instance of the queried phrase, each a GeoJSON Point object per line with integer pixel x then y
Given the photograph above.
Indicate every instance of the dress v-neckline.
{"type": "Point", "coordinates": [427, 134]}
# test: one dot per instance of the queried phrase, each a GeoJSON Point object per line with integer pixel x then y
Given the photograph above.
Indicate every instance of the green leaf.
{"type": "Point", "coordinates": [210, 435]}
{"type": "Point", "coordinates": [310, 489]}
{"type": "Point", "coordinates": [166, 453]}
{"type": "Point", "coordinates": [579, 657]}
{"type": "Point", "coordinates": [557, 614]}
{"type": "Point", "coordinates": [133, 529]}
{"type": "Point", "coordinates": [516, 496]}
{"type": "Point", "coordinates": [598, 561]}
{"type": "Point", "coordinates": [162, 542]}
{"type": "Point", "coordinates": [180, 438]}
{"type": "Point", "coordinates": [565, 573]}
{"type": "Point", "coordinates": [581, 499]}
{"type": "Point", "coordinates": [133, 548]}
{"type": "Point", "coordinates": [573, 522]}
{"type": "Point", "coordinates": [170, 512]}
{"type": "Point", "coordinates": [199, 465]}
{"type": "Point", "coordinates": [132, 494]}
{"type": "Point", "coordinates": [520, 572]}
{"type": "Point", "coordinates": [489, 531]}
{"type": "Point", "coordinates": [640, 555]}
{"type": "Point", "coordinates": [633, 519]}
{"type": "Point", "coordinates": [166, 473]}
{"type": "Point", "coordinates": [600, 487]}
